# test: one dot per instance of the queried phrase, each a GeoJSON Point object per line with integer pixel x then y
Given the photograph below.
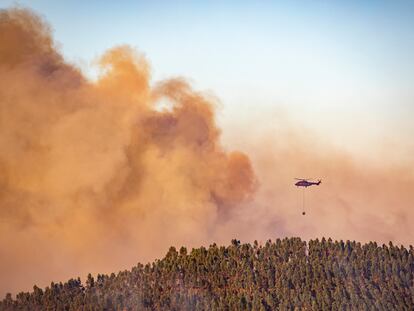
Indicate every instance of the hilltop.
{"type": "Point", "coordinates": [287, 274]}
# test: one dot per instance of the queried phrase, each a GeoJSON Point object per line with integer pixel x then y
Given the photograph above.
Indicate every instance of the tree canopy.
{"type": "Point", "coordinates": [285, 274]}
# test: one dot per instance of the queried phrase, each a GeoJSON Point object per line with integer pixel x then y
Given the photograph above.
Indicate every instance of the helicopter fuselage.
{"type": "Point", "coordinates": [305, 183]}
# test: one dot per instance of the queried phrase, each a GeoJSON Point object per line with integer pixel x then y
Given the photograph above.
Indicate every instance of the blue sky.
{"type": "Point", "coordinates": [344, 69]}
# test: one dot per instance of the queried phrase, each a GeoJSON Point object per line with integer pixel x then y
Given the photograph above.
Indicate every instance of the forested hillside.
{"type": "Point", "coordinates": [287, 274]}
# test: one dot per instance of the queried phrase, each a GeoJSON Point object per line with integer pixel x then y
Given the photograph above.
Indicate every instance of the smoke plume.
{"type": "Point", "coordinates": [95, 176]}
{"type": "Point", "coordinates": [92, 174]}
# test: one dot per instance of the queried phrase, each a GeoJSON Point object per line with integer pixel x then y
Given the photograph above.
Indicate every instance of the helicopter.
{"type": "Point", "coordinates": [304, 182]}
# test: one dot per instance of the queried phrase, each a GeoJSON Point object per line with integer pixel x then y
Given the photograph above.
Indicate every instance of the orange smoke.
{"type": "Point", "coordinates": [93, 176]}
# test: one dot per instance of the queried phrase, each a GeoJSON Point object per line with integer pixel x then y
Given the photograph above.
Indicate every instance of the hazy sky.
{"type": "Point", "coordinates": [343, 69]}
